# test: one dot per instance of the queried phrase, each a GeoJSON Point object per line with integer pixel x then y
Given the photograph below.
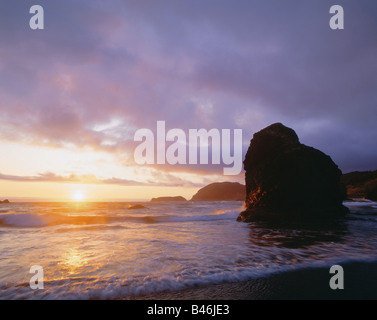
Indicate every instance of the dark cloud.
{"type": "Point", "coordinates": [42, 177]}
{"type": "Point", "coordinates": [223, 64]}
{"type": "Point", "coordinates": [91, 179]}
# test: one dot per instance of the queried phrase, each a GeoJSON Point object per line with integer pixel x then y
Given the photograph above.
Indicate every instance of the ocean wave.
{"type": "Point", "coordinates": [96, 227]}
{"type": "Point", "coordinates": [115, 287]}
{"type": "Point", "coordinates": [360, 203]}
{"type": "Point", "coordinates": [33, 220]}
{"type": "Point", "coordinates": [208, 217]}
{"type": "Point", "coordinates": [42, 220]}
{"type": "Point", "coordinates": [22, 220]}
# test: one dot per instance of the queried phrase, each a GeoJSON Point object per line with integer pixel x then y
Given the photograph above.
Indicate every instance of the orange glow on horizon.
{"type": "Point", "coordinates": [65, 192]}
{"type": "Point", "coordinates": [57, 174]}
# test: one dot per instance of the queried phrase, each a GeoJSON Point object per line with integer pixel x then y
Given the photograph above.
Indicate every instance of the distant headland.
{"type": "Point", "coordinates": [169, 199]}
{"type": "Point", "coordinates": [361, 184]}
{"type": "Point", "coordinates": [221, 191]}
{"type": "Point", "coordinates": [218, 191]}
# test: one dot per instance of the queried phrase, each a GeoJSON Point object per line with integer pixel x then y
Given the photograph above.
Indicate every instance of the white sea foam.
{"type": "Point", "coordinates": [113, 287]}
{"type": "Point", "coordinates": [105, 251]}
{"type": "Point", "coordinates": [23, 220]}
{"type": "Point", "coordinates": [360, 203]}
{"type": "Point", "coordinates": [43, 220]}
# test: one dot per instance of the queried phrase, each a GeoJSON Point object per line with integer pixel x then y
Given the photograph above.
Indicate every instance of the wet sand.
{"type": "Point", "coordinates": [360, 283]}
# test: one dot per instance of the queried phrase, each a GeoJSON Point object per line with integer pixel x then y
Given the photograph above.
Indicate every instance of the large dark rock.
{"type": "Point", "coordinates": [5, 201]}
{"type": "Point", "coordinates": [285, 178]}
{"type": "Point", "coordinates": [371, 190]}
{"type": "Point", "coordinates": [168, 199]}
{"type": "Point", "coordinates": [221, 191]}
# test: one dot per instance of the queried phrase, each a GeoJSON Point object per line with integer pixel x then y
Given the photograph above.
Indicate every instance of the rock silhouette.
{"type": "Point", "coordinates": [361, 184]}
{"type": "Point", "coordinates": [371, 190]}
{"type": "Point", "coordinates": [221, 191]}
{"type": "Point", "coordinates": [5, 201]}
{"type": "Point", "coordinates": [137, 206]}
{"type": "Point", "coordinates": [285, 178]}
{"type": "Point", "coordinates": [168, 199]}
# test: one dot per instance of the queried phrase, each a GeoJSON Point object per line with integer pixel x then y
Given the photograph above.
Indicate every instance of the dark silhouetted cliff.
{"type": "Point", "coordinates": [221, 191]}
{"type": "Point", "coordinates": [168, 199]}
{"type": "Point", "coordinates": [361, 184]}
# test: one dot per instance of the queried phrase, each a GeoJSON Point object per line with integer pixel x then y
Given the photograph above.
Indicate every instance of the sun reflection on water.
{"type": "Point", "coordinates": [73, 260]}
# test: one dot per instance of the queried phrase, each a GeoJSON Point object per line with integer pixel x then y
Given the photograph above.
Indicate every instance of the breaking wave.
{"type": "Point", "coordinates": [12, 219]}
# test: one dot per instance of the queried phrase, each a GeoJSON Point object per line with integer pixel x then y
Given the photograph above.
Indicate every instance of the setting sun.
{"type": "Point", "coordinates": [78, 196]}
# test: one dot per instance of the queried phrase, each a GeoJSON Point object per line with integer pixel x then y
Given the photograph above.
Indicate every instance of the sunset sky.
{"type": "Point", "coordinates": [73, 95]}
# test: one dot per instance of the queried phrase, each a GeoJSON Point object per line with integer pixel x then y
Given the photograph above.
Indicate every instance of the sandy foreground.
{"type": "Point", "coordinates": [360, 282]}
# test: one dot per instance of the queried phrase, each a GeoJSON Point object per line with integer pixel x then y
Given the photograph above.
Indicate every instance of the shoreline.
{"type": "Point", "coordinates": [360, 283]}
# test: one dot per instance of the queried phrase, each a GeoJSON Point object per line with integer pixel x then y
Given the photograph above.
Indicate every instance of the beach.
{"type": "Point", "coordinates": [305, 284]}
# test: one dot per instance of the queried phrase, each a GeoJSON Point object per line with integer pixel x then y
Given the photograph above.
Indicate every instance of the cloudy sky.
{"type": "Point", "coordinates": [73, 95]}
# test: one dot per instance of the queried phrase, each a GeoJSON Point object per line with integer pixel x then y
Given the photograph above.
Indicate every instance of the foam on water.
{"type": "Point", "coordinates": [43, 220]}
{"type": "Point", "coordinates": [22, 220]}
{"type": "Point", "coordinates": [360, 203]}
{"type": "Point", "coordinates": [106, 251]}
{"type": "Point", "coordinates": [114, 287]}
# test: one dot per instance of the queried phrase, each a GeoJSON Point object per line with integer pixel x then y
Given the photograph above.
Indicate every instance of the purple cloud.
{"type": "Point", "coordinates": [194, 64]}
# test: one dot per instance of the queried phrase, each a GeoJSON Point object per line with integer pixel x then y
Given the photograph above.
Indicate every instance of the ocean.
{"type": "Point", "coordinates": [108, 251]}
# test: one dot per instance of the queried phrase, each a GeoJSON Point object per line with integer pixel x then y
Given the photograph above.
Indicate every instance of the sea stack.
{"type": "Point", "coordinates": [287, 179]}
